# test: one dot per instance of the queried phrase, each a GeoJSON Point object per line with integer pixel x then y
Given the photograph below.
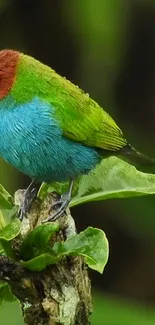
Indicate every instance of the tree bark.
{"type": "Point", "coordinates": [61, 293]}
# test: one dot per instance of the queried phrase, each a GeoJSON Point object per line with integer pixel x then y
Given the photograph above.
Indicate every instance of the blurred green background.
{"type": "Point", "coordinates": [107, 47]}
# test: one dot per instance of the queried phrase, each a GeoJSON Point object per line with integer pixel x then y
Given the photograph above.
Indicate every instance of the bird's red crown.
{"type": "Point", "coordinates": [8, 63]}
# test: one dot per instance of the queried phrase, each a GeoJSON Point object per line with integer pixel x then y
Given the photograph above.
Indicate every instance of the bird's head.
{"type": "Point", "coordinates": [8, 64]}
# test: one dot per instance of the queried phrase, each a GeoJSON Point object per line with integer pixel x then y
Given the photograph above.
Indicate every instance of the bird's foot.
{"type": "Point", "coordinates": [60, 205]}
{"type": "Point", "coordinates": [30, 195]}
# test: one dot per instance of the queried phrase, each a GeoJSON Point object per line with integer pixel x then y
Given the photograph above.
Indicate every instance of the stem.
{"type": "Point", "coordinates": [61, 293]}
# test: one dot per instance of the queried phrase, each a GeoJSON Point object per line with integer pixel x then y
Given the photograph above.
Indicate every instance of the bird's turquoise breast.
{"type": "Point", "coordinates": [32, 141]}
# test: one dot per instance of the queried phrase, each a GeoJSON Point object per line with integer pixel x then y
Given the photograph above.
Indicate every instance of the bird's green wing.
{"type": "Point", "coordinates": [83, 120]}
{"type": "Point", "coordinates": [80, 118]}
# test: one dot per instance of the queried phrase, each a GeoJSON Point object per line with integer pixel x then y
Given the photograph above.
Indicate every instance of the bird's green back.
{"type": "Point", "coordinates": [80, 117]}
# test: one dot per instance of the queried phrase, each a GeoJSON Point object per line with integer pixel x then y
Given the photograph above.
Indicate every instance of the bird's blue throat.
{"type": "Point", "coordinates": [32, 141]}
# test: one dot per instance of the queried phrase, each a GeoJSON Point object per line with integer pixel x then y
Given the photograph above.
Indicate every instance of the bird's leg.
{"type": "Point", "coordinates": [61, 204]}
{"type": "Point", "coordinates": [30, 195]}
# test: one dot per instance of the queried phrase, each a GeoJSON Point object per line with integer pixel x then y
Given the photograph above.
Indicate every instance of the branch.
{"type": "Point", "coordinates": [61, 293]}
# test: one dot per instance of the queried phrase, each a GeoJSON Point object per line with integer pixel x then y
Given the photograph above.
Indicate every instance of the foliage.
{"type": "Point", "coordinates": [5, 293]}
{"type": "Point", "coordinates": [91, 244]}
{"type": "Point", "coordinates": [113, 178]}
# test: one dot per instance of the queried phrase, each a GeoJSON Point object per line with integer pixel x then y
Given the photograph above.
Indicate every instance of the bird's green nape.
{"type": "Point", "coordinates": [80, 117]}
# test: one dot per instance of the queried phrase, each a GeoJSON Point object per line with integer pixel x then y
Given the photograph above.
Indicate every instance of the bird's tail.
{"type": "Point", "coordinates": [132, 156]}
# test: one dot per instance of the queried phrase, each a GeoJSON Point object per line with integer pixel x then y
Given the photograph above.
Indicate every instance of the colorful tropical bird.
{"type": "Point", "coordinates": [50, 129]}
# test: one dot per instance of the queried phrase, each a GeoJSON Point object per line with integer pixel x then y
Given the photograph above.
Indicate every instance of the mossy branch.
{"type": "Point", "coordinates": [61, 293]}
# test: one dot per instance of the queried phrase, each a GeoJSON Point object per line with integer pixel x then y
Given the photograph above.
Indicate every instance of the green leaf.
{"type": "Point", "coordinates": [90, 243]}
{"type": "Point", "coordinates": [7, 233]}
{"type": "Point", "coordinates": [6, 201]}
{"type": "Point", "coordinates": [36, 241]}
{"type": "Point", "coordinates": [112, 178]}
{"type": "Point", "coordinates": [2, 220]}
{"type": "Point", "coordinates": [7, 208]}
{"type": "Point", "coordinates": [9, 214]}
{"type": "Point", "coordinates": [5, 293]}
{"type": "Point", "coordinates": [1, 249]}
{"type": "Point", "coordinates": [40, 262]}
{"type": "Point", "coordinates": [11, 230]}
{"type": "Point", "coordinates": [2, 284]}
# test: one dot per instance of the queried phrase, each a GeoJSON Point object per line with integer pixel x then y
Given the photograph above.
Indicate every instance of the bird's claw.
{"type": "Point", "coordinates": [22, 212]}
{"type": "Point", "coordinates": [60, 206]}
{"type": "Point", "coordinates": [30, 195]}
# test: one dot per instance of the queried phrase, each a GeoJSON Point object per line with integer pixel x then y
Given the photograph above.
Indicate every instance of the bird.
{"type": "Point", "coordinates": [51, 130]}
